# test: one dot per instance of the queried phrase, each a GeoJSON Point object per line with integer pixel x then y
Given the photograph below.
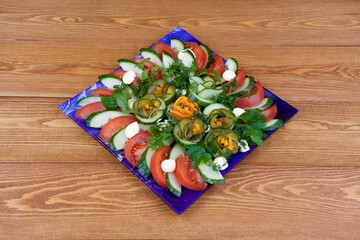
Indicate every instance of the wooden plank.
{"type": "Point", "coordinates": [105, 201]}
{"type": "Point", "coordinates": [293, 73]}
{"type": "Point", "coordinates": [254, 23]}
{"type": "Point", "coordinates": [35, 130]}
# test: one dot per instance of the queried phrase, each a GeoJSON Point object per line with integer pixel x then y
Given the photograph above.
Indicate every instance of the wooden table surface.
{"type": "Point", "coordinates": [56, 182]}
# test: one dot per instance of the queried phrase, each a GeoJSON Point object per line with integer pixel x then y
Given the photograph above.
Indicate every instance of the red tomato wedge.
{"type": "Point", "coordinates": [155, 165]}
{"type": "Point", "coordinates": [148, 66]}
{"type": "Point", "coordinates": [217, 64]}
{"type": "Point", "coordinates": [270, 112]}
{"type": "Point", "coordinates": [189, 177]}
{"type": "Point", "coordinates": [102, 92]}
{"type": "Point", "coordinates": [136, 146]}
{"type": "Point", "coordinates": [200, 55]}
{"type": "Point", "coordinates": [114, 125]}
{"type": "Point", "coordinates": [253, 100]}
{"type": "Point", "coordinates": [159, 47]}
{"type": "Point", "coordinates": [88, 109]}
{"type": "Point", "coordinates": [240, 79]}
{"type": "Point", "coordinates": [118, 73]}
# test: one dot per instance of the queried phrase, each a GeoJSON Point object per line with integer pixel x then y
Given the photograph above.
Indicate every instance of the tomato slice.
{"type": "Point", "coordinates": [88, 109]}
{"type": "Point", "coordinates": [148, 66]}
{"type": "Point", "coordinates": [240, 79]}
{"type": "Point", "coordinates": [270, 112]}
{"type": "Point", "coordinates": [159, 47]}
{"type": "Point", "coordinates": [200, 55]}
{"type": "Point", "coordinates": [114, 125]}
{"type": "Point", "coordinates": [253, 100]}
{"type": "Point", "coordinates": [136, 146]}
{"type": "Point", "coordinates": [189, 177]}
{"type": "Point", "coordinates": [102, 92]}
{"type": "Point", "coordinates": [217, 64]}
{"type": "Point", "coordinates": [155, 165]}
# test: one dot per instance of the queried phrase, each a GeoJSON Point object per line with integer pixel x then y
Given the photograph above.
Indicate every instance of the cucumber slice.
{"type": "Point", "coordinates": [200, 87]}
{"type": "Point", "coordinates": [273, 124]}
{"type": "Point", "coordinates": [209, 93]}
{"type": "Point", "coordinates": [189, 58]}
{"type": "Point", "coordinates": [143, 168]}
{"type": "Point", "coordinates": [167, 60]}
{"type": "Point", "coordinates": [173, 184]}
{"type": "Point", "coordinates": [176, 151]}
{"type": "Point", "coordinates": [118, 140]}
{"type": "Point", "coordinates": [208, 79]}
{"type": "Point", "coordinates": [246, 87]}
{"type": "Point", "coordinates": [232, 64]}
{"type": "Point", "coordinates": [110, 81]}
{"type": "Point", "coordinates": [267, 102]}
{"type": "Point", "coordinates": [182, 141]}
{"type": "Point", "coordinates": [99, 119]}
{"type": "Point", "coordinates": [154, 119]}
{"type": "Point", "coordinates": [209, 174]}
{"type": "Point", "coordinates": [214, 106]}
{"type": "Point", "coordinates": [199, 100]}
{"type": "Point", "coordinates": [208, 52]}
{"type": "Point", "coordinates": [196, 79]}
{"type": "Point", "coordinates": [154, 57]}
{"type": "Point", "coordinates": [177, 45]}
{"type": "Point", "coordinates": [128, 65]}
{"type": "Point", "coordinates": [86, 100]}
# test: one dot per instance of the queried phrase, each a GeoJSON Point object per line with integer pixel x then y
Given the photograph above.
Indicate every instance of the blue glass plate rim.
{"type": "Point", "coordinates": [179, 205]}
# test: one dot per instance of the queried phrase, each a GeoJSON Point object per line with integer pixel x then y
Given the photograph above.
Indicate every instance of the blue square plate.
{"type": "Point", "coordinates": [179, 205]}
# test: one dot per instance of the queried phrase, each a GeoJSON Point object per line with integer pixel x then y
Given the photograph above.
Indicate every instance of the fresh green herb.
{"type": "Point", "coordinates": [142, 63]}
{"type": "Point", "coordinates": [254, 118]}
{"type": "Point", "coordinates": [248, 95]}
{"type": "Point", "coordinates": [109, 102]}
{"type": "Point", "coordinates": [160, 132]}
{"type": "Point", "coordinates": [178, 75]}
{"type": "Point", "coordinates": [197, 154]}
{"type": "Point", "coordinates": [250, 127]}
{"type": "Point", "coordinates": [216, 76]}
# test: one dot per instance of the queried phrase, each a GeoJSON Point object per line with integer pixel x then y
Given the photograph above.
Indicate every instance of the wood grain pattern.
{"type": "Point", "coordinates": [254, 195]}
{"type": "Point", "coordinates": [56, 182]}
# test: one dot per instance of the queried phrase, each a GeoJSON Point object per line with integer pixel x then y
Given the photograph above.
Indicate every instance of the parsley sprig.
{"type": "Point", "coordinates": [160, 132]}
{"type": "Point", "coordinates": [249, 127]}
{"type": "Point", "coordinates": [198, 154]}
{"type": "Point", "coordinates": [119, 98]}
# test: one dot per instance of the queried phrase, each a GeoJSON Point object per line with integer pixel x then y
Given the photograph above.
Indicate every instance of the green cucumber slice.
{"type": "Point", "coordinates": [145, 127]}
{"type": "Point", "coordinates": [86, 100]}
{"type": "Point", "coordinates": [200, 87]}
{"type": "Point", "coordinates": [273, 124]}
{"type": "Point", "coordinates": [143, 168]}
{"type": "Point", "coordinates": [154, 57]}
{"type": "Point", "coordinates": [118, 140]}
{"type": "Point", "coordinates": [196, 79]}
{"type": "Point", "coordinates": [177, 45]}
{"type": "Point", "coordinates": [128, 65]}
{"type": "Point", "coordinates": [232, 64]}
{"type": "Point", "coordinates": [99, 119]}
{"type": "Point", "coordinates": [208, 79]}
{"type": "Point", "coordinates": [176, 151]}
{"type": "Point", "coordinates": [110, 81]}
{"type": "Point", "coordinates": [182, 141]}
{"type": "Point", "coordinates": [267, 102]}
{"type": "Point", "coordinates": [173, 184]}
{"type": "Point", "coordinates": [214, 106]}
{"type": "Point", "coordinates": [209, 174]}
{"type": "Point", "coordinates": [209, 93]}
{"type": "Point", "coordinates": [208, 52]}
{"type": "Point", "coordinates": [189, 58]}
{"type": "Point", "coordinates": [199, 100]}
{"type": "Point", "coordinates": [246, 87]}
{"type": "Point", "coordinates": [209, 84]}
{"type": "Point", "coordinates": [167, 60]}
